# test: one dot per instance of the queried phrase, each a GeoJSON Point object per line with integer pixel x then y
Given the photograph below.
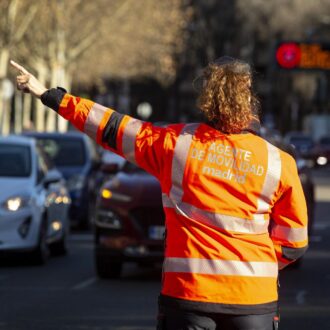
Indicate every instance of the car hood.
{"type": "Point", "coordinates": [141, 187]}
{"type": "Point", "coordinates": [15, 187]}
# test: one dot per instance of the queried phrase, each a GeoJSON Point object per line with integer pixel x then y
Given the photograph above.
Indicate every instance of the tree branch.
{"type": "Point", "coordinates": [27, 19]}
{"type": "Point", "coordinates": [88, 41]}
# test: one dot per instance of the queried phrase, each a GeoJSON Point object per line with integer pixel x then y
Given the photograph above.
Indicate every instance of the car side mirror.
{"type": "Point", "coordinates": [53, 176]}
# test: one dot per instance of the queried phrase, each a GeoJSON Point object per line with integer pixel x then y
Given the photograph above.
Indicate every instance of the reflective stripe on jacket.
{"type": "Point", "coordinates": [233, 202]}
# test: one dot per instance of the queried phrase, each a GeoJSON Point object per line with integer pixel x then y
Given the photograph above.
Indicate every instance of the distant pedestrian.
{"type": "Point", "coordinates": [234, 205]}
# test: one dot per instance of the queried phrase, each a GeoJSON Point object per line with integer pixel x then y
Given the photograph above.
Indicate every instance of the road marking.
{"type": "Point", "coordinates": [85, 284]}
{"type": "Point", "coordinates": [300, 297]}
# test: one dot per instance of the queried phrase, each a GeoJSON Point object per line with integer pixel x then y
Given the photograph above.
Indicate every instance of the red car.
{"type": "Point", "coordinates": [129, 224]}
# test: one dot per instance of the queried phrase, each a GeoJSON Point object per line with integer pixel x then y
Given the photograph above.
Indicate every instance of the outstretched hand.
{"type": "Point", "coordinates": [27, 82]}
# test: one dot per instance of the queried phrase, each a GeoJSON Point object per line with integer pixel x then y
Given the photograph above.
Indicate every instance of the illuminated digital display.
{"type": "Point", "coordinates": [306, 56]}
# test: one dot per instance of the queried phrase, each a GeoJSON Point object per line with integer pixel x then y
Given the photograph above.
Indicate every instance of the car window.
{"type": "Point", "coordinates": [64, 151]}
{"type": "Point", "coordinates": [15, 160]}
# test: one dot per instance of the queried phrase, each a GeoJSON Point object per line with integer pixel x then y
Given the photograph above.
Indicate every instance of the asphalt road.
{"type": "Point", "coordinates": [65, 293]}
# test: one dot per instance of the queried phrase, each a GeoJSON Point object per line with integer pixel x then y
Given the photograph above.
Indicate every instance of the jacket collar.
{"type": "Point", "coordinates": [253, 127]}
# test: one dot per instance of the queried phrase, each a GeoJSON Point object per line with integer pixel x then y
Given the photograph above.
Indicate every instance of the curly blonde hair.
{"type": "Point", "coordinates": [226, 98]}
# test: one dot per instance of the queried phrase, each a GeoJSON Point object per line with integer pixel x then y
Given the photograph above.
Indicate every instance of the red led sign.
{"type": "Point", "coordinates": [293, 55]}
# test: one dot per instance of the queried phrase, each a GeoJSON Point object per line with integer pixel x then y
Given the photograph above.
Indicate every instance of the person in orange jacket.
{"type": "Point", "coordinates": [234, 205]}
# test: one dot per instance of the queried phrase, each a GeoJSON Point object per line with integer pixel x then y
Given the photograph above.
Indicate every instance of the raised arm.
{"type": "Point", "coordinates": [137, 141]}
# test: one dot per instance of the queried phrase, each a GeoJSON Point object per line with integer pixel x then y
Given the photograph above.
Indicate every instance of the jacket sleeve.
{"type": "Point", "coordinates": [289, 218]}
{"type": "Point", "coordinates": [137, 141]}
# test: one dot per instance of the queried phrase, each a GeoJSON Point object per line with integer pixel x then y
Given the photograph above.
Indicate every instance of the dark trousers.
{"type": "Point", "coordinates": [176, 319]}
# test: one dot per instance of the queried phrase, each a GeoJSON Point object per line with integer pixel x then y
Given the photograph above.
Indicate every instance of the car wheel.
{"type": "Point", "coordinates": [106, 268]}
{"type": "Point", "coordinates": [59, 248]}
{"type": "Point", "coordinates": [41, 253]}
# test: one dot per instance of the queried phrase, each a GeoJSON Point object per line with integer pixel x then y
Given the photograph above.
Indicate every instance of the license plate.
{"type": "Point", "coordinates": [156, 232]}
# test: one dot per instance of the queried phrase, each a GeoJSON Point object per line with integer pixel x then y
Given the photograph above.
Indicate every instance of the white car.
{"type": "Point", "coordinates": [34, 201]}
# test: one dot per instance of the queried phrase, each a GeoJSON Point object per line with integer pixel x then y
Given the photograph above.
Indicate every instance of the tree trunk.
{"type": "Point", "coordinates": [51, 118]}
{"type": "Point", "coordinates": [18, 113]}
{"type": "Point", "coordinates": [27, 107]}
{"type": "Point", "coordinates": [40, 108]}
{"type": "Point", "coordinates": [4, 58]}
{"type": "Point", "coordinates": [63, 124]}
{"type": "Point", "coordinates": [63, 77]}
{"type": "Point", "coordinates": [4, 115]}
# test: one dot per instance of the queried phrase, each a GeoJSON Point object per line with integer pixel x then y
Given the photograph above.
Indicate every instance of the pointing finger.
{"type": "Point", "coordinates": [18, 67]}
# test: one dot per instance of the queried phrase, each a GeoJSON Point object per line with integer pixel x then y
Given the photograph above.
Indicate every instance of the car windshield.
{"type": "Point", "coordinates": [68, 151]}
{"type": "Point", "coordinates": [15, 160]}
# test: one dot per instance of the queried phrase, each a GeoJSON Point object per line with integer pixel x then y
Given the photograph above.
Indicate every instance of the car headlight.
{"type": "Point", "coordinates": [76, 182]}
{"type": "Point", "coordinates": [321, 160]}
{"type": "Point", "coordinates": [15, 203]}
{"type": "Point", "coordinates": [108, 194]}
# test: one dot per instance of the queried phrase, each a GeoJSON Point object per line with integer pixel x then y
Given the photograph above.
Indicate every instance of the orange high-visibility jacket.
{"type": "Point", "coordinates": [234, 205]}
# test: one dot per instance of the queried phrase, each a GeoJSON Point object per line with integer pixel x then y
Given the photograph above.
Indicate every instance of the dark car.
{"type": "Point", "coordinates": [289, 145]}
{"type": "Point", "coordinates": [129, 224]}
{"type": "Point", "coordinates": [77, 159]}
{"type": "Point", "coordinates": [322, 152]}
{"type": "Point", "coordinates": [303, 143]}
{"type": "Point", "coordinates": [306, 180]}
{"type": "Point", "coordinates": [307, 183]}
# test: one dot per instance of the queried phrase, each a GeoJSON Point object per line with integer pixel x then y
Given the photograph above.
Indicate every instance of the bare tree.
{"type": "Point", "coordinates": [15, 19]}
{"type": "Point", "coordinates": [142, 40]}
{"type": "Point", "coordinates": [287, 18]}
{"type": "Point", "coordinates": [78, 41]}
